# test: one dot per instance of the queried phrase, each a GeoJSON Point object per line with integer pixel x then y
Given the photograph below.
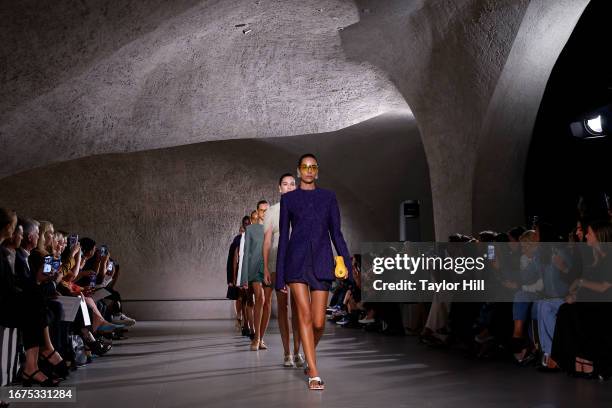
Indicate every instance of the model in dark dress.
{"type": "Point", "coordinates": [309, 223]}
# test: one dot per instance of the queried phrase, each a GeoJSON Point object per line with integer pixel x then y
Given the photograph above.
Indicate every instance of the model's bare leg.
{"type": "Point", "coordinates": [283, 319]}
{"type": "Point", "coordinates": [266, 311]}
{"type": "Point", "coordinates": [258, 310]}
{"type": "Point", "coordinates": [295, 326]}
{"type": "Point", "coordinates": [249, 311]}
{"type": "Point", "coordinates": [318, 304]}
{"type": "Point", "coordinates": [300, 292]}
{"type": "Point", "coordinates": [238, 309]}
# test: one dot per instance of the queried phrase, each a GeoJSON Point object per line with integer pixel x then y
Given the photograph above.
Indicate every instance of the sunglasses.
{"type": "Point", "coordinates": [306, 167]}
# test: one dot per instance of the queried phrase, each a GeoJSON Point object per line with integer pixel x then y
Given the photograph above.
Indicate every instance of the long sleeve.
{"type": "Point", "coordinates": [283, 242]}
{"type": "Point", "coordinates": [336, 235]}
{"type": "Point", "coordinates": [246, 257]}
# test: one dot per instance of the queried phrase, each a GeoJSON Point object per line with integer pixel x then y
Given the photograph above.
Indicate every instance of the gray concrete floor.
{"type": "Point", "coordinates": [206, 364]}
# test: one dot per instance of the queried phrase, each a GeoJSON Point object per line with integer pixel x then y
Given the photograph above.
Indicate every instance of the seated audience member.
{"type": "Point", "coordinates": [28, 243]}
{"type": "Point", "coordinates": [529, 285]}
{"type": "Point", "coordinates": [72, 273]}
{"type": "Point", "coordinates": [547, 308]}
{"type": "Point", "coordinates": [110, 279]}
{"type": "Point", "coordinates": [582, 342]}
{"type": "Point", "coordinates": [22, 305]}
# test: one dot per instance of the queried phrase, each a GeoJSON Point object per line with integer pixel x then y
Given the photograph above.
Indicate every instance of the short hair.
{"type": "Point", "coordinates": [502, 237]}
{"type": "Point", "coordinates": [62, 233]}
{"type": "Point", "coordinates": [6, 217]}
{"type": "Point", "coordinates": [459, 238]}
{"type": "Point", "coordinates": [28, 225]}
{"type": "Point", "coordinates": [305, 156]}
{"type": "Point", "coordinates": [87, 244]}
{"type": "Point", "coordinates": [487, 236]}
{"type": "Point", "coordinates": [260, 202]}
{"type": "Point", "coordinates": [280, 180]}
{"type": "Point", "coordinates": [516, 232]}
{"type": "Point", "coordinates": [246, 220]}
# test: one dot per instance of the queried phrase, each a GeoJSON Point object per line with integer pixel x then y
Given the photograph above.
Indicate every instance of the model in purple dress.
{"type": "Point", "coordinates": [309, 223]}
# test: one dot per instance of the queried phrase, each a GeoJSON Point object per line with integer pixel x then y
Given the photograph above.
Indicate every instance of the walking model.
{"type": "Point", "coordinates": [305, 259]}
{"type": "Point", "coordinates": [252, 272]}
{"type": "Point", "coordinates": [286, 184]}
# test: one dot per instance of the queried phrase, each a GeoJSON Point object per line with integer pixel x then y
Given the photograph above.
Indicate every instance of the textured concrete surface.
{"type": "Point", "coordinates": [89, 77]}
{"type": "Point", "coordinates": [470, 70]}
{"type": "Point", "coordinates": [203, 363]}
{"type": "Point", "coordinates": [169, 215]}
{"type": "Point", "coordinates": [507, 127]}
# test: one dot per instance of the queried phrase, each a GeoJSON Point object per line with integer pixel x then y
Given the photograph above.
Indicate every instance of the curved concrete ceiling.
{"type": "Point", "coordinates": [83, 78]}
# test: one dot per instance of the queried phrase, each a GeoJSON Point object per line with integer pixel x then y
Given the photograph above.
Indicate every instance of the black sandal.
{"type": "Point", "coordinates": [60, 369]}
{"type": "Point", "coordinates": [28, 380]}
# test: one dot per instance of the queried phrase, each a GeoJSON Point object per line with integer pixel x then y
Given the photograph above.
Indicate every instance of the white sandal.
{"type": "Point", "coordinates": [315, 383]}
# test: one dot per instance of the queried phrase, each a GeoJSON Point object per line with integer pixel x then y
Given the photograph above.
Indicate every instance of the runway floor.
{"type": "Point", "coordinates": [206, 364]}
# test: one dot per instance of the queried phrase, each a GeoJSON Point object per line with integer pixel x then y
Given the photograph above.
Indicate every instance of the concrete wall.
{"type": "Point", "coordinates": [473, 73]}
{"type": "Point", "coordinates": [505, 135]}
{"type": "Point", "coordinates": [170, 214]}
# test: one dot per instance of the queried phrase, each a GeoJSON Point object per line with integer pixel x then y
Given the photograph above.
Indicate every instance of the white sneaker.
{"type": "Point", "coordinates": [288, 361]}
{"type": "Point", "coordinates": [123, 319]}
{"type": "Point", "coordinates": [299, 361]}
{"type": "Point", "coordinates": [366, 320]}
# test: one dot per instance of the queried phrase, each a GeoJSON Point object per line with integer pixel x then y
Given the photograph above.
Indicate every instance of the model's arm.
{"type": "Point", "coordinates": [595, 286]}
{"type": "Point", "coordinates": [283, 241]}
{"type": "Point", "coordinates": [336, 235]}
{"type": "Point", "coordinates": [240, 259]}
{"type": "Point", "coordinates": [244, 279]}
{"type": "Point", "coordinates": [267, 244]}
{"type": "Point", "coordinates": [236, 259]}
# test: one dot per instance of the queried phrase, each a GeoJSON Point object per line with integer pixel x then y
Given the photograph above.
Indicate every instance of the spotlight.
{"type": "Point", "coordinates": [593, 126]}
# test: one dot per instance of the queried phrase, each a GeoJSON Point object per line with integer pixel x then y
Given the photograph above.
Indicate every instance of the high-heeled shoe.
{"type": "Point", "coordinates": [28, 380]}
{"type": "Point", "coordinates": [97, 347]}
{"type": "Point", "coordinates": [60, 369]}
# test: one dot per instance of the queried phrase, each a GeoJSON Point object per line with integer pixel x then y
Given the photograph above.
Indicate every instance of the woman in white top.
{"type": "Point", "coordinates": [286, 183]}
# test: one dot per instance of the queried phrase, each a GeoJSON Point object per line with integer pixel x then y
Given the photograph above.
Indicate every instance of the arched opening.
{"type": "Point", "coordinates": [565, 160]}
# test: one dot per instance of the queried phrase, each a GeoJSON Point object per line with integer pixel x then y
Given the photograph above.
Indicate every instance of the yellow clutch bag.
{"type": "Point", "coordinates": [341, 271]}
